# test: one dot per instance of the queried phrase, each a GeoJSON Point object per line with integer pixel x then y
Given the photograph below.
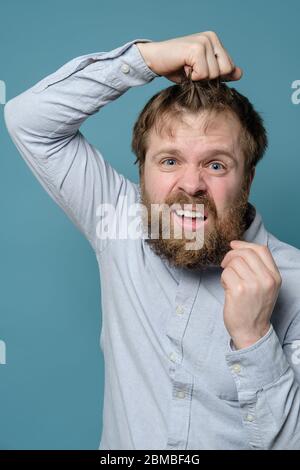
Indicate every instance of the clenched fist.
{"type": "Point", "coordinates": [202, 54]}
{"type": "Point", "coordinates": [251, 281]}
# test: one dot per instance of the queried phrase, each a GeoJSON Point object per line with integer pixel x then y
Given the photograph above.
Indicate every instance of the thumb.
{"type": "Point", "coordinates": [188, 70]}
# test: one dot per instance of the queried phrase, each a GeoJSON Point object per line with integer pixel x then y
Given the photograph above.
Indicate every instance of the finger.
{"type": "Point", "coordinates": [234, 67]}
{"type": "Point", "coordinates": [188, 70]}
{"type": "Point", "coordinates": [242, 268]}
{"type": "Point", "coordinates": [230, 278]}
{"type": "Point", "coordinates": [226, 65]}
{"type": "Point", "coordinates": [261, 250]}
{"type": "Point", "coordinates": [255, 263]}
{"type": "Point", "coordinates": [236, 74]}
{"type": "Point", "coordinates": [212, 62]}
{"type": "Point", "coordinates": [199, 64]}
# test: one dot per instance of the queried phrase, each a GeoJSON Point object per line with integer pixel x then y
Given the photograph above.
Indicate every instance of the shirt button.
{"type": "Point", "coordinates": [236, 368]}
{"type": "Point", "coordinates": [172, 356]}
{"type": "Point", "coordinates": [249, 418]}
{"type": "Point", "coordinates": [125, 68]}
{"type": "Point", "coordinates": [180, 394]}
{"type": "Point", "coordinates": [179, 309]}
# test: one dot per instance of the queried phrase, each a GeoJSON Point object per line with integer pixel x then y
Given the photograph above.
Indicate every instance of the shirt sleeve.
{"type": "Point", "coordinates": [44, 123]}
{"type": "Point", "coordinates": [267, 378]}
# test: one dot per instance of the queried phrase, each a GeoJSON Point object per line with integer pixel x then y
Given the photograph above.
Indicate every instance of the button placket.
{"type": "Point", "coordinates": [179, 418]}
{"type": "Point", "coordinates": [179, 310]}
{"type": "Point", "coordinates": [236, 368]}
{"type": "Point", "coordinates": [182, 380]}
{"type": "Point", "coordinates": [180, 394]}
{"type": "Point", "coordinates": [249, 418]}
{"type": "Point", "coordinates": [184, 301]}
{"type": "Point", "coordinates": [172, 356]}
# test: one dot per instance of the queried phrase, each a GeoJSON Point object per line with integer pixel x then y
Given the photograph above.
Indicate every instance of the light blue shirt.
{"type": "Point", "coordinates": [172, 380]}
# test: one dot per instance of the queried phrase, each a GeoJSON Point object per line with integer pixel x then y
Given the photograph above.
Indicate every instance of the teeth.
{"type": "Point", "coordinates": [193, 214]}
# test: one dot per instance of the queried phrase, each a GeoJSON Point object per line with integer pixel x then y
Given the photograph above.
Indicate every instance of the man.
{"type": "Point", "coordinates": [200, 345]}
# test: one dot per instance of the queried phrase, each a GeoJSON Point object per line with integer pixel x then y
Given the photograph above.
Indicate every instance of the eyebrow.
{"type": "Point", "coordinates": [209, 153]}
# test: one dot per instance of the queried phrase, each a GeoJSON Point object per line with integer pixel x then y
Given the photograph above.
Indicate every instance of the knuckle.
{"type": "Point", "coordinates": [204, 40]}
{"type": "Point", "coordinates": [270, 283]}
{"type": "Point", "coordinates": [248, 251]}
{"type": "Point", "coordinates": [225, 273]}
{"type": "Point", "coordinates": [240, 289]}
{"type": "Point", "coordinates": [227, 69]}
{"type": "Point", "coordinates": [235, 261]}
{"type": "Point", "coordinates": [212, 33]}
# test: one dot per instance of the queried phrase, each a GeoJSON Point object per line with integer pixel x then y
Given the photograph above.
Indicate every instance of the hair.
{"type": "Point", "coordinates": [212, 96]}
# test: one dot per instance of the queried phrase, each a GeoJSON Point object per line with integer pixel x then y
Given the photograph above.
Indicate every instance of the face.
{"type": "Point", "coordinates": [200, 163]}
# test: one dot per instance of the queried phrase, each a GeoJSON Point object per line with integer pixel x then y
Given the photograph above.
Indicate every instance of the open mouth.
{"type": "Point", "coordinates": [191, 220]}
{"type": "Point", "coordinates": [190, 214]}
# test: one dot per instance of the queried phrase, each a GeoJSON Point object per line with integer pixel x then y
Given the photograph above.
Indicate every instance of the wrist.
{"type": "Point", "coordinates": [247, 339]}
{"type": "Point", "coordinates": [144, 48]}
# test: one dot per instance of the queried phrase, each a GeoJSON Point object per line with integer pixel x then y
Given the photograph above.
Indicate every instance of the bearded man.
{"type": "Point", "coordinates": [199, 340]}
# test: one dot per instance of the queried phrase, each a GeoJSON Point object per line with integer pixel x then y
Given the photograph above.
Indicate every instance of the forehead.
{"type": "Point", "coordinates": [202, 129]}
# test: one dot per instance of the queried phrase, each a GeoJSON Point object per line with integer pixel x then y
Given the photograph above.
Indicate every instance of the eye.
{"type": "Point", "coordinates": [216, 164]}
{"type": "Point", "coordinates": [169, 160]}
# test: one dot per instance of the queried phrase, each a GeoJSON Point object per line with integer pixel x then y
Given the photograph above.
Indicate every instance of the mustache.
{"type": "Point", "coordinates": [183, 199]}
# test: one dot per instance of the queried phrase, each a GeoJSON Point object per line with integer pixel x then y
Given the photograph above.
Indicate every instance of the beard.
{"type": "Point", "coordinates": [218, 232]}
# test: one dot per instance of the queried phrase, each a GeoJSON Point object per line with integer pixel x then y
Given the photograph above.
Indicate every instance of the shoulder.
{"type": "Point", "coordinates": [287, 259]}
{"type": "Point", "coordinates": [287, 256]}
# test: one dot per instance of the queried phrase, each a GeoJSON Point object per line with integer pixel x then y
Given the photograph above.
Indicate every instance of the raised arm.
{"type": "Point", "coordinates": [44, 124]}
{"type": "Point", "coordinates": [44, 121]}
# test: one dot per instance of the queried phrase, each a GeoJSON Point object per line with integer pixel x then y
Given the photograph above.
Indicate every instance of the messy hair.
{"type": "Point", "coordinates": [194, 97]}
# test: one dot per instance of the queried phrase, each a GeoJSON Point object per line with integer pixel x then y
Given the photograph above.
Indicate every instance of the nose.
{"type": "Point", "coordinates": [192, 181]}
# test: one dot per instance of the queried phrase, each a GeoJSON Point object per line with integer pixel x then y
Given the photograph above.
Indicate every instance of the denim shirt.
{"type": "Point", "coordinates": [172, 380]}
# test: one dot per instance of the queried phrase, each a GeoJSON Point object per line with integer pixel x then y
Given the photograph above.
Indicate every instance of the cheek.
{"type": "Point", "coordinates": [157, 186]}
{"type": "Point", "coordinates": [224, 193]}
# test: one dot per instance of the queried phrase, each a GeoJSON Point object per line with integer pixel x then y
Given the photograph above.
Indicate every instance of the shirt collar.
{"type": "Point", "coordinates": [256, 232]}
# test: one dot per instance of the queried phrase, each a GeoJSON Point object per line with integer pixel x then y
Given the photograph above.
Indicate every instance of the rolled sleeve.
{"type": "Point", "coordinates": [118, 77]}
{"type": "Point", "coordinates": [44, 123]}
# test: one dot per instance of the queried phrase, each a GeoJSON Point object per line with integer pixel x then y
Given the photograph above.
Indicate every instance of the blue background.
{"type": "Point", "coordinates": [51, 389]}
